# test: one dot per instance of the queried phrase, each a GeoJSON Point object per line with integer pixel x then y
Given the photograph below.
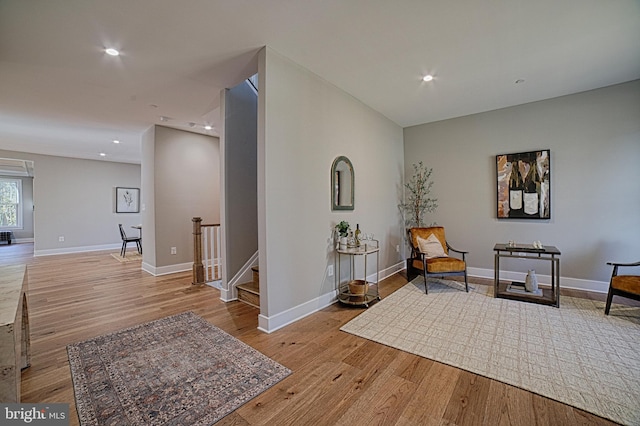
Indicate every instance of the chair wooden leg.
{"type": "Point", "coordinates": [466, 284]}
{"type": "Point", "coordinates": [609, 299]}
{"type": "Point", "coordinates": [426, 289]}
{"type": "Point", "coordinates": [123, 250]}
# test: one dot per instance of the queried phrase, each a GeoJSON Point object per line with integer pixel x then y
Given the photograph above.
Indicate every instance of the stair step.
{"type": "Point", "coordinates": [250, 287]}
{"type": "Point", "coordinates": [249, 293]}
{"type": "Point", "coordinates": [255, 275]}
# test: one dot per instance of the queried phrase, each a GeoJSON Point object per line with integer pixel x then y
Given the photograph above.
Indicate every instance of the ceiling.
{"type": "Point", "coordinates": [61, 94]}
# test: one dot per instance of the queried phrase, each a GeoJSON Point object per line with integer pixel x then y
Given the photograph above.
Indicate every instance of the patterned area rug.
{"type": "Point", "coordinates": [574, 354]}
{"type": "Point", "coordinates": [179, 370]}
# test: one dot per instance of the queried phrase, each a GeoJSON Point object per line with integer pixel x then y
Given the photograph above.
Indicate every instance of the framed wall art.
{"type": "Point", "coordinates": [524, 185]}
{"type": "Point", "coordinates": [127, 200]}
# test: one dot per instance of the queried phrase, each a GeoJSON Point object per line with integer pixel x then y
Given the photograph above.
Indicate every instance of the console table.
{"type": "Point", "coordinates": [15, 343]}
{"type": "Point", "coordinates": [550, 296]}
{"type": "Point", "coordinates": [345, 295]}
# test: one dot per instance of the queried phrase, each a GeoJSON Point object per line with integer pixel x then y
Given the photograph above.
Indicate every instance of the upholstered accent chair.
{"type": "Point", "coordinates": [622, 285]}
{"type": "Point", "coordinates": [430, 256]}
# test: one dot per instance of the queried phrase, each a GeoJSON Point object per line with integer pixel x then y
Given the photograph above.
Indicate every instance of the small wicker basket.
{"type": "Point", "coordinates": [358, 287]}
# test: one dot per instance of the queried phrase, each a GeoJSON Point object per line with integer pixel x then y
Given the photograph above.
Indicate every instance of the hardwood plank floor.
{"type": "Point", "coordinates": [337, 378]}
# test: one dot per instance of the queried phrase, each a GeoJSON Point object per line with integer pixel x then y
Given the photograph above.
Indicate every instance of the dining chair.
{"type": "Point", "coordinates": [126, 240]}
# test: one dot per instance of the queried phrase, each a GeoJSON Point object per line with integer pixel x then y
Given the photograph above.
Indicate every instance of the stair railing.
{"type": "Point", "coordinates": [206, 252]}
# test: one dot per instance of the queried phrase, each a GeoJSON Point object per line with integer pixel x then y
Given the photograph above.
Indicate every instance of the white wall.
{"type": "Point", "coordinates": [240, 205]}
{"type": "Point", "coordinates": [148, 199]}
{"type": "Point", "coordinates": [75, 199]}
{"type": "Point", "coordinates": [594, 138]}
{"type": "Point", "coordinates": [304, 124]}
{"type": "Point", "coordinates": [185, 184]}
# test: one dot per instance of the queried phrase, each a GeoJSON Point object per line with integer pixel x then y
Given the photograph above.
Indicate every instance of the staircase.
{"type": "Point", "coordinates": [249, 293]}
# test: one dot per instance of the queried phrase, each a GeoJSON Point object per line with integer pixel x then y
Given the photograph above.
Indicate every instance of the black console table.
{"type": "Point", "coordinates": [550, 296]}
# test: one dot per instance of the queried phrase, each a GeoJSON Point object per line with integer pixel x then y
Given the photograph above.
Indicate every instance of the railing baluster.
{"type": "Point", "coordinates": [218, 260]}
{"type": "Point", "coordinates": [206, 250]}
{"type": "Point", "coordinates": [207, 261]}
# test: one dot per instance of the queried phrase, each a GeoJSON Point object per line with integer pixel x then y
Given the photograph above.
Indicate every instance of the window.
{"type": "Point", "coordinates": [10, 203]}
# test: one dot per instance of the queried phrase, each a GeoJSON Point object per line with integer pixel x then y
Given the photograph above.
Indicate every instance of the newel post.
{"type": "Point", "coordinates": [198, 267]}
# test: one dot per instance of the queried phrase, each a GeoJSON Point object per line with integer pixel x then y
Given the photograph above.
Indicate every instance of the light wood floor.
{"type": "Point", "coordinates": [337, 378]}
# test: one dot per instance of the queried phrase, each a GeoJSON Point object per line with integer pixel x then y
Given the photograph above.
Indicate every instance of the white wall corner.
{"type": "Point", "coordinates": [166, 270]}
{"type": "Point", "coordinates": [276, 322]}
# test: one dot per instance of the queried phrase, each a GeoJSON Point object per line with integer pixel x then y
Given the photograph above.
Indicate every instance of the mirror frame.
{"type": "Point", "coordinates": [334, 184]}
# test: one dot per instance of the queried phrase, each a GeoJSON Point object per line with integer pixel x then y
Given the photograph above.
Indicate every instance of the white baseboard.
{"type": "Point", "coordinates": [166, 270]}
{"type": "Point", "coordinates": [276, 322]}
{"type": "Point", "coordinates": [68, 250]}
{"type": "Point", "coordinates": [22, 240]}
{"type": "Point", "coordinates": [387, 272]}
{"type": "Point", "coordinates": [565, 282]}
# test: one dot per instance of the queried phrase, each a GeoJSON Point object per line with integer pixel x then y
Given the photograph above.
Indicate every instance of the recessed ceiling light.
{"type": "Point", "coordinates": [102, 154]}
{"type": "Point", "coordinates": [163, 118]}
{"type": "Point", "coordinates": [116, 141]}
{"type": "Point", "coordinates": [111, 51]}
{"type": "Point", "coordinates": [207, 127]}
{"type": "Point", "coordinates": [427, 77]}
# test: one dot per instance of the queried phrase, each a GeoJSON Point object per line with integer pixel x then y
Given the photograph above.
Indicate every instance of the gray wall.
{"type": "Point", "coordinates": [186, 184]}
{"type": "Point", "coordinates": [148, 199]}
{"type": "Point", "coordinates": [75, 199]}
{"type": "Point", "coordinates": [304, 124]}
{"type": "Point", "coordinates": [594, 138]}
{"type": "Point", "coordinates": [240, 176]}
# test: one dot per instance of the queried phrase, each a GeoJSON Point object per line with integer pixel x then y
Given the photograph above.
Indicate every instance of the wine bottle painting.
{"type": "Point", "coordinates": [524, 185]}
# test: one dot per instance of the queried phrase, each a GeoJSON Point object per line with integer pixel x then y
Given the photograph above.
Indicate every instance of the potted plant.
{"type": "Point", "coordinates": [343, 231]}
{"type": "Point", "coordinates": [418, 202]}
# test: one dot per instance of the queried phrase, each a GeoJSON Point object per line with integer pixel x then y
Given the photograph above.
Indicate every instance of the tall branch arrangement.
{"type": "Point", "coordinates": [417, 202]}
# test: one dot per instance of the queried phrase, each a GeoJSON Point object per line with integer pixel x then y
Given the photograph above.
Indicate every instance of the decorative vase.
{"type": "Point", "coordinates": [343, 243]}
{"type": "Point", "coordinates": [531, 282]}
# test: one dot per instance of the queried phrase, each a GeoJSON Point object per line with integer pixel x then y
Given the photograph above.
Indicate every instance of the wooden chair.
{"type": "Point", "coordinates": [437, 263]}
{"type": "Point", "coordinates": [126, 240]}
{"type": "Point", "coordinates": [622, 285]}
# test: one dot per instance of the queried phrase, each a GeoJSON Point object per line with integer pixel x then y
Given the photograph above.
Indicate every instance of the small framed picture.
{"type": "Point", "coordinates": [127, 200]}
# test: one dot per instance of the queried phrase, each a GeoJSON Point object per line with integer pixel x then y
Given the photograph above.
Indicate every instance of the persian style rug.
{"type": "Point", "coordinates": [573, 354]}
{"type": "Point", "coordinates": [178, 370]}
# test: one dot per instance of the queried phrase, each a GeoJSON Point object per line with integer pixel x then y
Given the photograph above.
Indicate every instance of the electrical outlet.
{"type": "Point", "coordinates": [61, 239]}
{"type": "Point", "coordinates": [174, 250]}
{"type": "Point", "coordinates": [330, 270]}
{"type": "Point", "coordinates": [397, 249]}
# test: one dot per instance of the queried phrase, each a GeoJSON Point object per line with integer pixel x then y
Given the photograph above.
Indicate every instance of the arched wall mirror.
{"type": "Point", "coordinates": [342, 180]}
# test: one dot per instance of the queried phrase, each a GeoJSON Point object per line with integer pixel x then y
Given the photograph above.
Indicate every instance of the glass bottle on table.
{"type": "Point", "coordinates": [515, 189]}
{"type": "Point", "coordinates": [357, 235]}
{"type": "Point", "coordinates": [531, 189]}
